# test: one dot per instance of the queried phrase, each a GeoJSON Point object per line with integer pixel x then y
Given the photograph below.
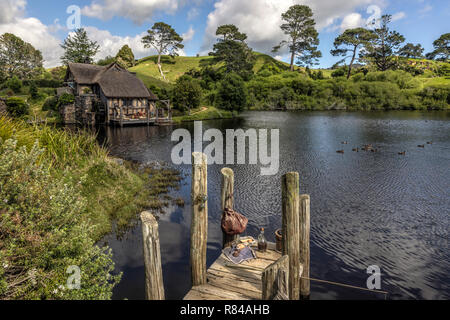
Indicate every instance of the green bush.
{"type": "Point", "coordinates": [232, 93]}
{"type": "Point", "coordinates": [51, 103]}
{"type": "Point", "coordinates": [17, 107]}
{"type": "Point", "coordinates": [187, 93]}
{"type": "Point", "coordinates": [34, 93]}
{"type": "Point", "coordinates": [43, 231]}
{"type": "Point", "coordinates": [66, 98]}
{"type": "Point", "coordinates": [14, 84]}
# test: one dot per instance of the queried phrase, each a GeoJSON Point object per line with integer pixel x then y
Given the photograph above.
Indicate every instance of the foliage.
{"type": "Point", "coordinates": [410, 50]}
{"type": "Point", "coordinates": [187, 93]}
{"type": "Point", "coordinates": [43, 232]}
{"type": "Point", "coordinates": [15, 84]}
{"type": "Point", "coordinates": [299, 26]}
{"type": "Point", "coordinates": [17, 107]}
{"type": "Point", "coordinates": [18, 58]}
{"type": "Point", "coordinates": [232, 94]}
{"type": "Point", "coordinates": [125, 57]}
{"type": "Point", "coordinates": [51, 103]}
{"type": "Point", "coordinates": [165, 40]}
{"type": "Point", "coordinates": [441, 50]}
{"type": "Point", "coordinates": [66, 98]}
{"type": "Point", "coordinates": [381, 50]}
{"type": "Point", "coordinates": [106, 61]}
{"type": "Point", "coordinates": [79, 48]}
{"type": "Point", "coordinates": [34, 93]}
{"type": "Point", "coordinates": [350, 42]}
{"type": "Point", "coordinates": [232, 49]}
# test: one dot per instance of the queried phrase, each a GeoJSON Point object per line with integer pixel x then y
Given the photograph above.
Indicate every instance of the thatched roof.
{"type": "Point", "coordinates": [115, 81]}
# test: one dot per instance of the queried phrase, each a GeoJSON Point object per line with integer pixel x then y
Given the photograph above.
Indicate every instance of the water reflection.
{"type": "Point", "coordinates": [366, 208]}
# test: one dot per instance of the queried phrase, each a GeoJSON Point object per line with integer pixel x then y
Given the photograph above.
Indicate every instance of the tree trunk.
{"type": "Point", "coordinates": [292, 61]}
{"type": "Point", "coordinates": [351, 64]}
{"type": "Point", "coordinates": [160, 67]}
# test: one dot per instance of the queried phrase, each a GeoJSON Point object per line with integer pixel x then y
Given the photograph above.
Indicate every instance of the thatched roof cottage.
{"type": "Point", "coordinates": [123, 95]}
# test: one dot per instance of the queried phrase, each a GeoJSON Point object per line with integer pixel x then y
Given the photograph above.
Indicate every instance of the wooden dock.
{"type": "Point", "coordinates": [238, 282]}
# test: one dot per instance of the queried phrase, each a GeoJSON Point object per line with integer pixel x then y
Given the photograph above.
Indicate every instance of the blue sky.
{"type": "Point", "coordinates": [113, 23]}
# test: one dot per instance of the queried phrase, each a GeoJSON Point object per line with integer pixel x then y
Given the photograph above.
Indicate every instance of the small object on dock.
{"type": "Point", "coordinates": [402, 153]}
{"type": "Point", "coordinates": [421, 146]}
{"type": "Point", "coordinates": [262, 243]}
{"type": "Point", "coordinates": [355, 149]}
{"type": "Point", "coordinates": [340, 151]}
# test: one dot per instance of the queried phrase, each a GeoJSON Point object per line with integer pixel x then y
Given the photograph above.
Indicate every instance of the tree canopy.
{"type": "Point", "coordinates": [232, 49]}
{"type": "Point", "coordinates": [79, 48]}
{"type": "Point", "coordinates": [187, 93]}
{"type": "Point", "coordinates": [441, 48]}
{"type": "Point", "coordinates": [410, 50]}
{"type": "Point", "coordinates": [381, 50]}
{"type": "Point", "coordinates": [303, 40]}
{"type": "Point", "coordinates": [125, 57]}
{"type": "Point", "coordinates": [18, 58]}
{"type": "Point", "coordinates": [165, 40]}
{"type": "Point", "coordinates": [349, 42]}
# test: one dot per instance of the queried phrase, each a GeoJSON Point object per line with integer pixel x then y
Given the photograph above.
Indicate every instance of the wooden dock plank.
{"type": "Point", "coordinates": [227, 281]}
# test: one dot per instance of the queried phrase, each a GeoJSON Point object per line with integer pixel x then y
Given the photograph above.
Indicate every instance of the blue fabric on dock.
{"type": "Point", "coordinates": [246, 253]}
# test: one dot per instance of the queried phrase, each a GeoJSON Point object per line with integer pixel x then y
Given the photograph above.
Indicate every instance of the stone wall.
{"type": "Point", "coordinates": [67, 113]}
{"type": "Point", "coordinates": [82, 111]}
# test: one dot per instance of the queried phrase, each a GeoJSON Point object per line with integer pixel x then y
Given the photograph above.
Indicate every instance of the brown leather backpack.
{"type": "Point", "coordinates": [233, 222]}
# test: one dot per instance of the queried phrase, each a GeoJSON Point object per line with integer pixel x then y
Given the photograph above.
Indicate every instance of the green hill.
{"type": "Point", "coordinates": [147, 70]}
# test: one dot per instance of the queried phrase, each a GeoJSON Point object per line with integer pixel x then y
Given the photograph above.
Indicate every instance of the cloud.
{"type": "Point", "coordinates": [188, 35]}
{"type": "Point", "coordinates": [426, 9]}
{"type": "Point", "coordinates": [261, 19]}
{"type": "Point", "coordinates": [352, 20]}
{"type": "Point", "coordinates": [192, 14]}
{"type": "Point", "coordinates": [138, 11]}
{"type": "Point", "coordinates": [11, 9]}
{"type": "Point", "coordinates": [398, 16]}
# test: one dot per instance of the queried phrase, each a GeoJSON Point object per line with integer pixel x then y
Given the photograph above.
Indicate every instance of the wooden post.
{"type": "Point", "coordinates": [291, 230]}
{"type": "Point", "coordinates": [227, 200]}
{"type": "Point", "coordinates": [121, 115]}
{"type": "Point", "coordinates": [304, 244]}
{"type": "Point", "coordinates": [148, 112]}
{"type": "Point", "coordinates": [275, 279]}
{"type": "Point", "coordinates": [154, 288]}
{"type": "Point", "coordinates": [199, 218]}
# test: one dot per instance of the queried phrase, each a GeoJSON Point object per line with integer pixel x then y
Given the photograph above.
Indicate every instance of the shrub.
{"type": "Point", "coordinates": [34, 94]}
{"type": "Point", "coordinates": [342, 71]}
{"type": "Point", "coordinates": [187, 93]}
{"type": "Point", "coordinates": [14, 84]}
{"type": "Point", "coordinates": [17, 107]}
{"type": "Point", "coordinates": [43, 232]}
{"type": "Point", "coordinates": [66, 98]}
{"type": "Point", "coordinates": [232, 94]}
{"type": "Point", "coordinates": [51, 103]}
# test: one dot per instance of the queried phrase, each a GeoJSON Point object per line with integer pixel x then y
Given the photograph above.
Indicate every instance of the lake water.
{"type": "Point", "coordinates": [367, 208]}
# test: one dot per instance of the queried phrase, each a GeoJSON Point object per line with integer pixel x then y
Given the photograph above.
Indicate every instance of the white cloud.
{"type": "Point", "coordinates": [138, 11]}
{"type": "Point", "coordinates": [11, 9]}
{"type": "Point", "coordinates": [352, 20]}
{"type": "Point", "coordinates": [261, 19]}
{"type": "Point", "coordinates": [192, 14]}
{"type": "Point", "coordinates": [188, 35]}
{"type": "Point", "coordinates": [398, 16]}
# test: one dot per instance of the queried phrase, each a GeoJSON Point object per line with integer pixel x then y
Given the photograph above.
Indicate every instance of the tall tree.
{"type": "Point", "coordinates": [79, 48]}
{"type": "Point", "coordinates": [441, 48]}
{"type": "Point", "coordinates": [381, 50]}
{"type": "Point", "coordinates": [125, 57]}
{"type": "Point", "coordinates": [232, 49]}
{"type": "Point", "coordinates": [303, 40]}
{"type": "Point", "coordinates": [165, 40]}
{"type": "Point", "coordinates": [410, 50]}
{"type": "Point", "coordinates": [18, 58]}
{"type": "Point", "coordinates": [349, 43]}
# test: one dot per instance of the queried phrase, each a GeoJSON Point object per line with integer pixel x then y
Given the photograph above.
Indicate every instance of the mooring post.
{"type": "Point", "coordinates": [199, 218]}
{"type": "Point", "coordinates": [154, 287]}
{"type": "Point", "coordinates": [227, 200]}
{"type": "Point", "coordinates": [275, 279]}
{"type": "Point", "coordinates": [291, 230]}
{"type": "Point", "coordinates": [304, 245]}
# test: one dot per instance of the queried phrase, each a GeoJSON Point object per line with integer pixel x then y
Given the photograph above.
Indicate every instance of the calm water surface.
{"type": "Point", "coordinates": [366, 208]}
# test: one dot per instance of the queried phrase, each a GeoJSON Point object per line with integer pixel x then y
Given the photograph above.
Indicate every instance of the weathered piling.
{"type": "Point", "coordinates": [291, 230]}
{"type": "Point", "coordinates": [304, 244]}
{"type": "Point", "coordinates": [227, 200]}
{"type": "Point", "coordinates": [154, 288]}
{"type": "Point", "coordinates": [275, 279]}
{"type": "Point", "coordinates": [199, 218]}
